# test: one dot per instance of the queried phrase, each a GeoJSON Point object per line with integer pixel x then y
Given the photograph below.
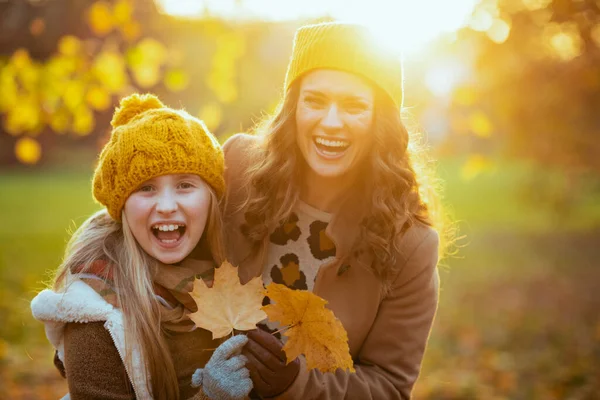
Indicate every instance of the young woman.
{"type": "Point", "coordinates": [328, 199]}
{"type": "Point", "coordinates": [118, 311]}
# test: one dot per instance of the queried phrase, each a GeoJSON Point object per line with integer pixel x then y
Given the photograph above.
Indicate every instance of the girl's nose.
{"type": "Point", "coordinates": [166, 203]}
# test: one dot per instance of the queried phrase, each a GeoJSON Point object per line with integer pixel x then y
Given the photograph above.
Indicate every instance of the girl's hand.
{"type": "Point", "coordinates": [267, 364]}
{"type": "Point", "coordinates": [225, 376]}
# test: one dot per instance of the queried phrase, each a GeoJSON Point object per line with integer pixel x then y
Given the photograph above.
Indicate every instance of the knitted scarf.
{"type": "Point", "coordinates": [172, 284]}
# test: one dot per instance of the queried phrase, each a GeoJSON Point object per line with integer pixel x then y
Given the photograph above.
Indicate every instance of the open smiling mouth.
{"type": "Point", "coordinates": [168, 234]}
{"type": "Point", "coordinates": [330, 148]}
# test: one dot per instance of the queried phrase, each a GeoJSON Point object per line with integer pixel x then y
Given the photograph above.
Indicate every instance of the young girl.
{"type": "Point", "coordinates": [118, 311]}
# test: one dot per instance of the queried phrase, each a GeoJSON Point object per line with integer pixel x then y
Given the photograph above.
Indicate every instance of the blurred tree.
{"type": "Point", "coordinates": [63, 64]}
{"type": "Point", "coordinates": [536, 86]}
{"type": "Point", "coordinates": [65, 89]}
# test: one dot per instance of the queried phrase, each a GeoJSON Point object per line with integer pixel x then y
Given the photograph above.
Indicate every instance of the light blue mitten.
{"type": "Point", "coordinates": [225, 376]}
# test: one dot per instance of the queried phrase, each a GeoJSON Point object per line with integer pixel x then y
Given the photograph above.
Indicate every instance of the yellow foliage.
{"type": "Point", "coordinates": [73, 95]}
{"type": "Point", "coordinates": [145, 61]}
{"type": "Point", "coordinates": [83, 121]}
{"type": "Point", "coordinates": [224, 90]}
{"type": "Point", "coordinates": [146, 75]}
{"type": "Point", "coordinates": [176, 80]}
{"type": "Point", "coordinates": [24, 116]}
{"type": "Point", "coordinates": [131, 31]}
{"type": "Point", "coordinates": [8, 89]}
{"type": "Point", "coordinates": [211, 114]}
{"type": "Point", "coordinates": [227, 305]}
{"type": "Point", "coordinates": [109, 68]}
{"type": "Point", "coordinates": [98, 98]}
{"type": "Point", "coordinates": [221, 79]}
{"type": "Point", "coordinates": [29, 77]}
{"type": "Point", "coordinates": [28, 150]}
{"type": "Point", "coordinates": [100, 18]}
{"type": "Point", "coordinates": [465, 96]}
{"type": "Point", "coordinates": [313, 330]}
{"type": "Point", "coordinates": [480, 124]}
{"type": "Point", "coordinates": [20, 59]}
{"type": "Point", "coordinates": [122, 12]}
{"type": "Point", "coordinates": [564, 40]}
{"type": "Point", "coordinates": [475, 165]}
{"type": "Point", "coordinates": [152, 51]}
{"type": "Point", "coordinates": [536, 4]}
{"type": "Point", "coordinates": [69, 45]}
{"type": "Point", "coordinates": [59, 121]}
{"type": "Point", "coordinates": [60, 66]}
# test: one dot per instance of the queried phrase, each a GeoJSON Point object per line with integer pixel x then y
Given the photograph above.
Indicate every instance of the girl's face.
{"type": "Point", "coordinates": [167, 215]}
{"type": "Point", "coordinates": [334, 117]}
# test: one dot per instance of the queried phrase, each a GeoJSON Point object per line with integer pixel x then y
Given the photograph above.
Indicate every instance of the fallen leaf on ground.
{"type": "Point", "coordinates": [227, 305]}
{"type": "Point", "coordinates": [313, 330]}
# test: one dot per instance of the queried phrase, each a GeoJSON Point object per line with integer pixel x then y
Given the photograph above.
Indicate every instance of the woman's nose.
{"type": "Point", "coordinates": [332, 119]}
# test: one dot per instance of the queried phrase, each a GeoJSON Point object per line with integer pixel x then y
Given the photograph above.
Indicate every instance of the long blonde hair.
{"type": "Point", "coordinates": [398, 179]}
{"type": "Point", "coordinates": [102, 238]}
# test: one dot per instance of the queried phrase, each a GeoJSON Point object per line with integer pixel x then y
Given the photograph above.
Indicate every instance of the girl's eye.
{"type": "Point", "coordinates": [145, 188]}
{"type": "Point", "coordinates": [185, 185]}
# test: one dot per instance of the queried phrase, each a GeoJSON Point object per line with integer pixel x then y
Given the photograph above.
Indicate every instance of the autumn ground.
{"type": "Point", "coordinates": [518, 316]}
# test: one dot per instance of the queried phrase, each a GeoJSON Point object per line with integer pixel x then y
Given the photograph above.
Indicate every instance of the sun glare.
{"type": "Point", "coordinates": [403, 25]}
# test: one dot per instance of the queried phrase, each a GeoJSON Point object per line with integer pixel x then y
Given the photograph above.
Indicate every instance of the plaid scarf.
{"type": "Point", "coordinates": [172, 284]}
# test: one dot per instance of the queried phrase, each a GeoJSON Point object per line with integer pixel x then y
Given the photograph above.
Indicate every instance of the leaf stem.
{"type": "Point", "coordinates": [283, 329]}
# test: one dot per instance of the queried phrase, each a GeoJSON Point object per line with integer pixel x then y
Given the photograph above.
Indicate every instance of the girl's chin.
{"type": "Point", "coordinates": [169, 258]}
{"type": "Point", "coordinates": [170, 252]}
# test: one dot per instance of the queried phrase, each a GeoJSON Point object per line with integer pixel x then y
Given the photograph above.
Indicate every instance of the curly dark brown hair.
{"type": "Point", "coordinates": [397, 176]}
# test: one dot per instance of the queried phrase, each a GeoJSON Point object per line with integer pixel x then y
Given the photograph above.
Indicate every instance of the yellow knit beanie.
{"type": "Point", "coordinates": [347, 47]}
{"type": "Point", "coordinates": [149, 140]}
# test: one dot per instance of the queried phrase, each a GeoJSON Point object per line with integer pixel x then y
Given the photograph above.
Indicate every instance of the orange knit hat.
{"type": "Point", "coordinates": [347, 47]}
{"type": "Point", "coordinates": [149, 140]}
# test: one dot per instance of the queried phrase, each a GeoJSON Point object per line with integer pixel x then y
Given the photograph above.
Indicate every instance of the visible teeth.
{"type": "Point", "coordinates": [166, 228]}
{"type": "Point", "coordinates": [332, 143]}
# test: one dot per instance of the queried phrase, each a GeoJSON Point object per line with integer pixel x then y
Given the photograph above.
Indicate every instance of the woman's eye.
{"type": "Point", "coordinates": [314, 102]}
{"type": "Point", "coordinates": [355, 108]}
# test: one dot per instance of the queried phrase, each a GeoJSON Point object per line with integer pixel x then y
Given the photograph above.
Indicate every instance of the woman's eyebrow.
{"type": "Point", "coordinates": [343, 96]}
{"type": "Point", "coordinates": [314, 93]}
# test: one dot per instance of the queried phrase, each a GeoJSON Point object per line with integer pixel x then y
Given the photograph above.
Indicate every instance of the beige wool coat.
{"type": "Point", "coordinates": [387, 329]}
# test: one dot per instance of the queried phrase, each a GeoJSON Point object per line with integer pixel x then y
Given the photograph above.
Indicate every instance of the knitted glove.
{"type": "Point", "coordinates": [225, 376]}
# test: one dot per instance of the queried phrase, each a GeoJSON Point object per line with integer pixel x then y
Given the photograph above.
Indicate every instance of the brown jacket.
{"type": "Point", "coordinates": [387, 331]}
{"type": "Point", "coordinates": [96, 370]}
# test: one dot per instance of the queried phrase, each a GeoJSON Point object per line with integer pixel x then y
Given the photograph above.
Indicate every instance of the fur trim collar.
{"type": "Point", "coordinates": [80, 303]}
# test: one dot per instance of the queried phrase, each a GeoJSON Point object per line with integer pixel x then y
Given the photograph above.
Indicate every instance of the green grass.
{"type": "Point", "coordinates": [517, 317]}
{"type": "Point", "coordinates": [519, 197]}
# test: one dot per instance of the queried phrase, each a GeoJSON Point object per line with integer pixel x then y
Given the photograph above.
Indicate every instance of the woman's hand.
{"type": "Point", "coordinates": [267, 364]}
{"type": "Point", "coordinates": [225, 376]}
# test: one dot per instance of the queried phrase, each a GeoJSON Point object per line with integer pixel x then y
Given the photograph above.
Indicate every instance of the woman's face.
{"type": "Point", "coordinates": [167, 215]}
{"type": "Point", "coordinates": [334, 117]}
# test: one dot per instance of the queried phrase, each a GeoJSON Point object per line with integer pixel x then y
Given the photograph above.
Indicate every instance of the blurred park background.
{"type": "Point", "coordinates": [507, 93]}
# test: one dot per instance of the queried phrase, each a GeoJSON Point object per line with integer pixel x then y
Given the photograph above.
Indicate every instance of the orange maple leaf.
{"type": "Point", "coordinates": [227, 305]}
{"type": "Point", "coordinates": [313, 330]}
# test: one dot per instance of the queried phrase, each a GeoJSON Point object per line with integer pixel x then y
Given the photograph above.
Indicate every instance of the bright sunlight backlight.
{"type": "Point", "coordinates": [401, 25]}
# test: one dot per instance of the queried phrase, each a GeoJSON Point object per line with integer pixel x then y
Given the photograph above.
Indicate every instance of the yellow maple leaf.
{"type": "Point", "coordinates": [227, 305]}
{"type": "Point", "coordinates": [313, 330]}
